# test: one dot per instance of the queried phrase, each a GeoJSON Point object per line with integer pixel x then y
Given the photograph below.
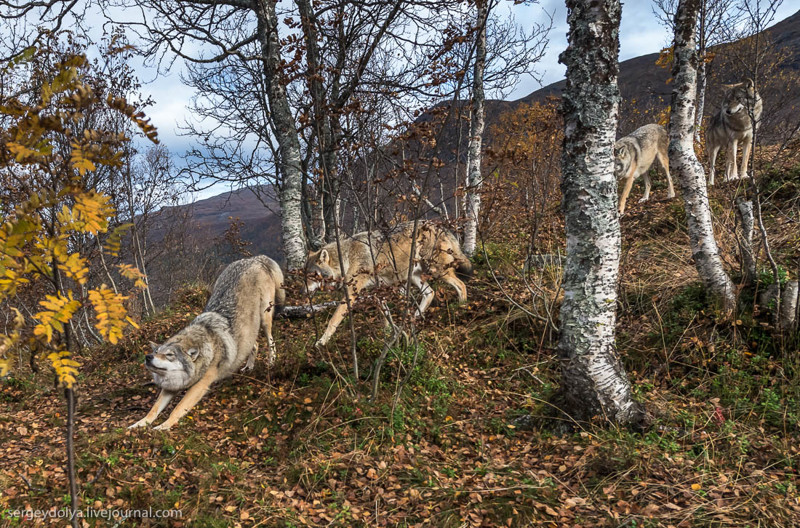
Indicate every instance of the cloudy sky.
{"type": "Point", "coordinates": [640, 34]}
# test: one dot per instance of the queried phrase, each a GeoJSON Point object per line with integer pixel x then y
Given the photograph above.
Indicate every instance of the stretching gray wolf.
{"type": "Point", "coordinates": [218, 341]}
{"type": "Point", "coordinates": [633, 156]}
{"type": "Point", "coordinates": [372, 257]}
{"type": "Point", "coordinates": [732, 124]}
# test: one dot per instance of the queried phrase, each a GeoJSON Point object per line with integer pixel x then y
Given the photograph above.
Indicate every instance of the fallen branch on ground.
{"type": "Point", "coordinates": [305, 310]}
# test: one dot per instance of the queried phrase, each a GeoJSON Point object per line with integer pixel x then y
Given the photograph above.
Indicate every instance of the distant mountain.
{"type": "Point", "coordinates": [208, 219]}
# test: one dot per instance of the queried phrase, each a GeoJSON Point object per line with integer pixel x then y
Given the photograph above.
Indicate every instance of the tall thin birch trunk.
{"type": "Point", "coordinates": [476, 126]}
{"type": "Point", "coordinates": [701, 98]}
{"type": "Point", "coordinates": [324, 116]}
{"type": "Point", "coordinates": [288, 163]}
{"type": "Point", "coordinates": [683, 160]}
{"type": "Point", "coordinates": [701, 71]}
{"type": "Point", "coordinates": [594, 381]}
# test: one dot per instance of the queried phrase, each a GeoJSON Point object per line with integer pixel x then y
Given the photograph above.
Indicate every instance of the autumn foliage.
{"type": "Point", "coordinates": [523, 175]}
{"type": "Point", "coordinates": [46, 152]}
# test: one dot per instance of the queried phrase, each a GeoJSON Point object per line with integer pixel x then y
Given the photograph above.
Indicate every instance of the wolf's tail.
{"type": "Point", "coordinates": [274, 271]}
{"type": "Point", "coordinates": [280, 299]}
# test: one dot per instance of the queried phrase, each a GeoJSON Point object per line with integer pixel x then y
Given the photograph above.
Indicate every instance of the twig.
{"type": "Point", "coordinates": [96, 476]}
{"type": "Point", "coordinates": [28, 482]}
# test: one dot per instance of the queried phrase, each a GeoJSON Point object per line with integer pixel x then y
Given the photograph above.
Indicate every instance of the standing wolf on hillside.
{"type": "Point", "coordinates": [371, 258]}
{"type": "Point", "coordinates": [219, 341]}
{"type": "Point", "coordinates": [730, 125]}
{"type": "Point", "coordinates": [633, 156]}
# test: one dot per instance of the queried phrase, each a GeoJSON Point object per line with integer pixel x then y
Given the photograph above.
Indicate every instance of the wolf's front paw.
{"type": "Point", "coordinates": [642, 200]}
{"type": "Point", "coordinates": [141, 423]}
{"type": "Point", "coordinates": [163, 427]}
{"type": "Point", "coordinates": [248, 366]}
{"type": "Point", "coordinates": [321, 342]}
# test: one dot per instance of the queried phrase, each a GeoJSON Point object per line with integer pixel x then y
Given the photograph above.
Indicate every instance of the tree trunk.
{"type": "Point", "coordinates": [476, 125]}
{"type": "Point", "coordinates": [701, 96]}
{"type": "Point", "coordinates": [323, 117]}
{"type": "Point", "coordinates": [744, 210]}
{"type": "Point", "coordinates": [594, 381]}
{"type": "Point", "coordinates": [701, 72]}
{"type": "Point", "coordinates": [683, 160]}
{"type": "Point", "coordinates": [288, 162]}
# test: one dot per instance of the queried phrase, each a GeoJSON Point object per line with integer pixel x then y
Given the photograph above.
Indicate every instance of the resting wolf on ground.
{"type": "Point", "coordinates": [219, 341]}
{"type": "Point", "coordinates": [371, 258]}
{"type": "Point", "coordinates": [633, 156]}
{"type": "Point", "coordinates": [732, 124]}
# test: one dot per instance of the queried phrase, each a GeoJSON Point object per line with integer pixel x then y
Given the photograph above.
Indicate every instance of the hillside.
{"type": "Point", "coordinates": [471, 441]}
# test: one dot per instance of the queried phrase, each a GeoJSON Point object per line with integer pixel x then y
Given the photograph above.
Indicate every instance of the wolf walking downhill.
{"type": "Point", "coordinates": [372, 257]}
{"type": "Point", "coordinates": [633, 156]}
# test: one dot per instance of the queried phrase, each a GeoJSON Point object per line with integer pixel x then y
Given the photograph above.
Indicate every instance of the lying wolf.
{"type": "Point", "coordinates": [372, 258]}
{"type": "Point", "coordinates": [732, 124]}
{"type": "Point", "coordinates": [219, 341]}
{"type": "Point", "coordinates": [633, 156]}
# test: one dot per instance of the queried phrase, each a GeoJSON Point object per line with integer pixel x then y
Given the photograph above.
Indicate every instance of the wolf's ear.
{"type": "Point", "coordinates": [192, 353]}
{"type": "Point", "coordinates": [154, 346]}
{"type": "Point", "coordinates": [749, 84]}
{"type": "Point", "coordinates": [324, 258]}
{"type": "Point", "coordinates": [621, 150]}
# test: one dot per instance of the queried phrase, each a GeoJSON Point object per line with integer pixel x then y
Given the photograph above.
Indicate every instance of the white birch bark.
{"type": "Point", "coordinates": [290, 192]}
{"type": "Point", "coordinates": [744, 210]}
{"type": "Point", "coordinates": [594, 381]}
{"type": "Point", "coordinates": [476, 126]}
{"type": "Point", "coordinates": [683, 160]}
{"type": "Point", "coordinates": [701, 99]}
{"type": "Point", "coordinates": [701, 71]}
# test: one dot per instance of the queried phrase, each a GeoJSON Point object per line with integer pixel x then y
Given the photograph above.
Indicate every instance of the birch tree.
{"type": "Point", "coordinates": [223, 32]}
{"type": "Point", "coordinates": [594, 381]}
{"type": "Point", "coordinates": [291, 189]}
{"type": "Point", "coordinates": [714, 17]}
{"type": "Point", "coordinates": [476, 125]}
{"type": "Point", "coordinates": [683, 160]}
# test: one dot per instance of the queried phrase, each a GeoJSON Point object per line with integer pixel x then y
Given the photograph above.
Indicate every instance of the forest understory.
{"type": "Point", "coordinates": [466, 435]}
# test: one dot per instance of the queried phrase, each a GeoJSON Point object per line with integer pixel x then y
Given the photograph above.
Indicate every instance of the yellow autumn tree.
{"type": "Point", "coordinates": [46, 156]}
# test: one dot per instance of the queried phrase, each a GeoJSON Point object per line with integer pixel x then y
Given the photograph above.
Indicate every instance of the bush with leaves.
{"type": "Point", "coordinates": [37, 235]}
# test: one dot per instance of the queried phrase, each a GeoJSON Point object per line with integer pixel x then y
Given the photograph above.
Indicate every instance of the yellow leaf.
{"type": "Point", "coordinates": [66, 368]}
{"type": "Point", "coordinates": [696, 486]}
{"type": "Point", "coordinates": [91, 212]}
{"type": "Point", "coordinates": [58, 310]}
{"type": "Point", "coordinates": [114, 241]}
{"type": "Point", "coordinates": [79, 161]}
{"type": "Point", "coordinates": [112, 317]}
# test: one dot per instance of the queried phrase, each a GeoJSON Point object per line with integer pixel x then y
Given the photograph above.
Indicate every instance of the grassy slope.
{"type": "Point", "coordinates": [303, 445]}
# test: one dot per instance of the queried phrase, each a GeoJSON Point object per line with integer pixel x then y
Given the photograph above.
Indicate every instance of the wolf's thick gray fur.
{"type": "Point", "coordinates": [220, 340]}
{"type": "Point", "coordinates": [633, 156]}
{"type": "Point", "coordinates": [731, 124]}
